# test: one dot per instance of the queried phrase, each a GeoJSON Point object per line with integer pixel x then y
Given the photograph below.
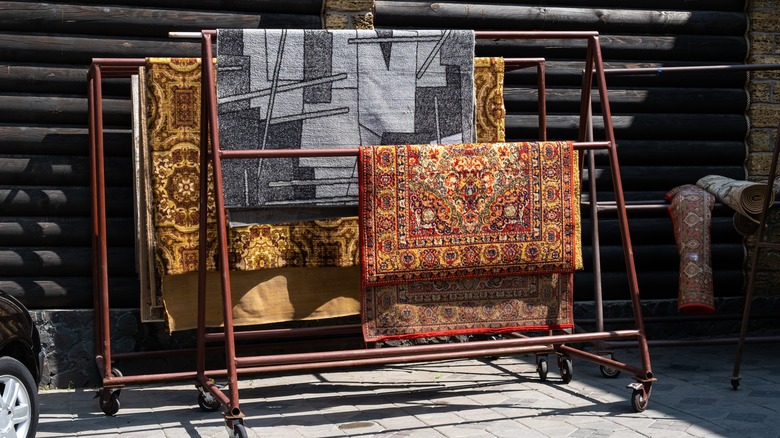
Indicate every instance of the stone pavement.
{"type": "Point", "coordinates": [461, 398]}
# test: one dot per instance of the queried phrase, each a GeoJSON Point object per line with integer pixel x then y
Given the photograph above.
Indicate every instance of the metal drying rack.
{"type": "Point", "coordinates": [212, 396]}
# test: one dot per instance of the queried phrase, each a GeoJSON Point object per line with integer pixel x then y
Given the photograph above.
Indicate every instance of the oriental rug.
{"type": "Point", "coordinates": [265, 296]}
{"type": "Point", "coordinates": [335, 89]}
{"type": "Point", "coordinates": [443, 212]}
{"type": "Point", "coordinates": [478, 305]}
{"type": "Point", "coordinates": [173, 130]}
{"type": "Point", "coordinates": [745, 197]}
{"type": "Point", "coordinates": [323, 243]}
{"type": "Point", "coordinates": [691, 211]}
{"type": "Point", "coordinates": [489, 90]}
{"type": "Point", "coordinates": [151, 307]}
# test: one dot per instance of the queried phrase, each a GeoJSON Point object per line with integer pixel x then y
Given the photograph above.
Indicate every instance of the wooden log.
{"type": "Point", "coordinates": [647, 100]}
{"type": "Point", "coordinates": [305, 7]}
{"type": "Point", "coordinates": [52, 292]}
{"type": "Point", "coordinates": [55, 79]}
{"type": "Point", "coordinates": [635, 127]}
{"type": "Point", "coordinates": [660, 257]}
{"type": "Point", "coordinates": [81, 49]}
{"type": "Point", "coordinates": [694, 49]}
{"type": "Point", "coordinates": [60, 171]}
{"type": "Point", "coordinates": [62, 231]}
{"type": "Point", "coordinates": [42, 78]}
{"type": "Point", "coordinates": [686, 5]}
{"type": "Point", "coordinates": [655, 230]}
{"type": "Point", "coordinates": [492, 16]}
{"type": "Point", "coordinates": [157, 22]}
{"type": "Point", "coordinates": [661, 152]}
{"type": "Point", "coordinates": [653, 285]}
{"type": "Point", "coordinates": [35, 140]}
{"type": "Point", "coordinates": [63, 261]}
{"type": "Point", "coordinates": [663, 177]}
{"type": "Point", "coordinates": [58, 110]}
{"type": "Point", "coordinates": [62, 201]}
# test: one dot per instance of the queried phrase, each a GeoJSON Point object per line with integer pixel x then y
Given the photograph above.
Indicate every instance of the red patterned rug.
{"type": "Point", "coordinates": [433, 212]}
{"type": "Point", "coordinates": [483, 305]}
{"type": "Point", "coordinates": [691, 212]}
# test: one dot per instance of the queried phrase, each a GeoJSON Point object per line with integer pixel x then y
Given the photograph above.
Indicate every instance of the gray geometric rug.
{"type": "Point", "coordinates": [301, 89]}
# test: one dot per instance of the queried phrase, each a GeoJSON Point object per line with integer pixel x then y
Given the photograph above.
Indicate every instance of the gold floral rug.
{"type": "Point", "coordinates": [312, 244]}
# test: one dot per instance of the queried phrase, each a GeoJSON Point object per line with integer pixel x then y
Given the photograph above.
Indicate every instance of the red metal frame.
{"type": "Point", "coordinates": [102, 68]}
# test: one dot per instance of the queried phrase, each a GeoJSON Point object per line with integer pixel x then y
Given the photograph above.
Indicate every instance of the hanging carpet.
{"type": "Point", "coordinates": [691, 212]}
{"type": "Point", "coordinates": [322, 89]}
{"type": "Point", "coordinates": [446, 227]}
{"type": "Point", "coordinates": [433, 212]}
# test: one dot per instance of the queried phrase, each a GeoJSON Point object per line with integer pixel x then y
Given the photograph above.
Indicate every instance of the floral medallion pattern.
{"type": "Point", "coordinates": [322, 243]}
{"type": "Point", "coordinates": [460, 211]}
{"type": "Point", "coordinates": [173, 117]}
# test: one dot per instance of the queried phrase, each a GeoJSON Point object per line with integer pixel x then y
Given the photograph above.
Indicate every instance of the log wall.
{"type": "Point", "coordinates": [45, 51]}
{"type": "Point", "coordinates": [671, 129]}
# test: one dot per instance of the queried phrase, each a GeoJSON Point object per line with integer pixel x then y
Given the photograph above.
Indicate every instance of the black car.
{"type": "Point", "coordinates": [21, 359]}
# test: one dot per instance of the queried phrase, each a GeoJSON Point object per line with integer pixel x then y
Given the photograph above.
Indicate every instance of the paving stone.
{"type": "Point", "coordinates": [451, 399]}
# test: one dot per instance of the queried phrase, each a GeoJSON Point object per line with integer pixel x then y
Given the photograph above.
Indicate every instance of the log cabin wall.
{"type": "Point", "coordinates": [671, 129]}
{"type": "Point", "coordinates": [45, 51]}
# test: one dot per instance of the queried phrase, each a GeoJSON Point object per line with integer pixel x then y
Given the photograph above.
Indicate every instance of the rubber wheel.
{"type": "Point", "coordinates": [111, 405]}
{"type": "Point", "coordinates": [116, 373]}
{"type": "Point", "coordinates": [18, 399]}
{"type": "Point", "coordinates": [566, 369]}
{"type": "Point", "coordinates": [239, 431]}
{"type": "Point", "coordinates": [541, 368]}
{"type": "Point", "coordinates": [638, 400]}
{"type": "Point", "coordinates": [208, 405]}
{"type": "Point", "coordinates": [609, 372]}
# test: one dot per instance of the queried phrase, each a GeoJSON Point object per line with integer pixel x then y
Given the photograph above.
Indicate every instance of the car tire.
{"type": "Point", "coordinates": [18, 399]}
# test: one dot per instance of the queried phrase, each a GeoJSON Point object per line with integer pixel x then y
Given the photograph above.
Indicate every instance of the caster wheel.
{"type": "Point", "coordinates": [110, 406]}
{"type": "Point", "coordinates": [638, 400]}
{"type": "Point", "coordinates": [208, 403]}
{"type": "Point", "coordinates": [609, 372]}
{"type": "Point", "coordinates": [239, 431]}
{"type": "Point", "coordinates": [541, 368]}
{"type": "Point", "coordinates": [116, 373]}
{"type": "Point", "coordinates": [734, 383]}
{"type": "Point", "coordinates": [566, 368]}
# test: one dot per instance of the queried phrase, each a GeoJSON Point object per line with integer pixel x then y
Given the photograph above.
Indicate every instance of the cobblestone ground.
{"type": "Point", "coordinates": [464, 398]}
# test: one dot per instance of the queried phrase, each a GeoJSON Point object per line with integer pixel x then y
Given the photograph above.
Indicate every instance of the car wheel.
{"type": "Point", "coordinates": [18, 399]}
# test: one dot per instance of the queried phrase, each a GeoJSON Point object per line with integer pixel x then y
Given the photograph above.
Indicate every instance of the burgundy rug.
{"type": "Point", "coordinates": [691, 211]}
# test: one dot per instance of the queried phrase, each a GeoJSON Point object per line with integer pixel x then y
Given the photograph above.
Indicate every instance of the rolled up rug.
{"type": "Point", "coordinates": [745, 197]}
{"type": "Point", "coordinates": [691, 212]}
{"type": "Point", "coordinates": [744, 225]}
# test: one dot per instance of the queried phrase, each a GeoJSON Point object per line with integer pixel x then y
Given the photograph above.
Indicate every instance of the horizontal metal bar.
{"type": "Point", "coordinates": [395, 360]}
{"type": "Point", "coordinates": [345, 152]}
{"type": "Point", "coordinates": [119, 62]}
{"type": "Point", "coordinates": [479, 34]}
{"type": "Point", "coordinates": [687, 342]}
{"type": "Point", "coordinates": [289, 333]}
{"type": "Point", "coordinates": [688, 69]}
{"type": "Point", "coordinates": [398, 352]}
